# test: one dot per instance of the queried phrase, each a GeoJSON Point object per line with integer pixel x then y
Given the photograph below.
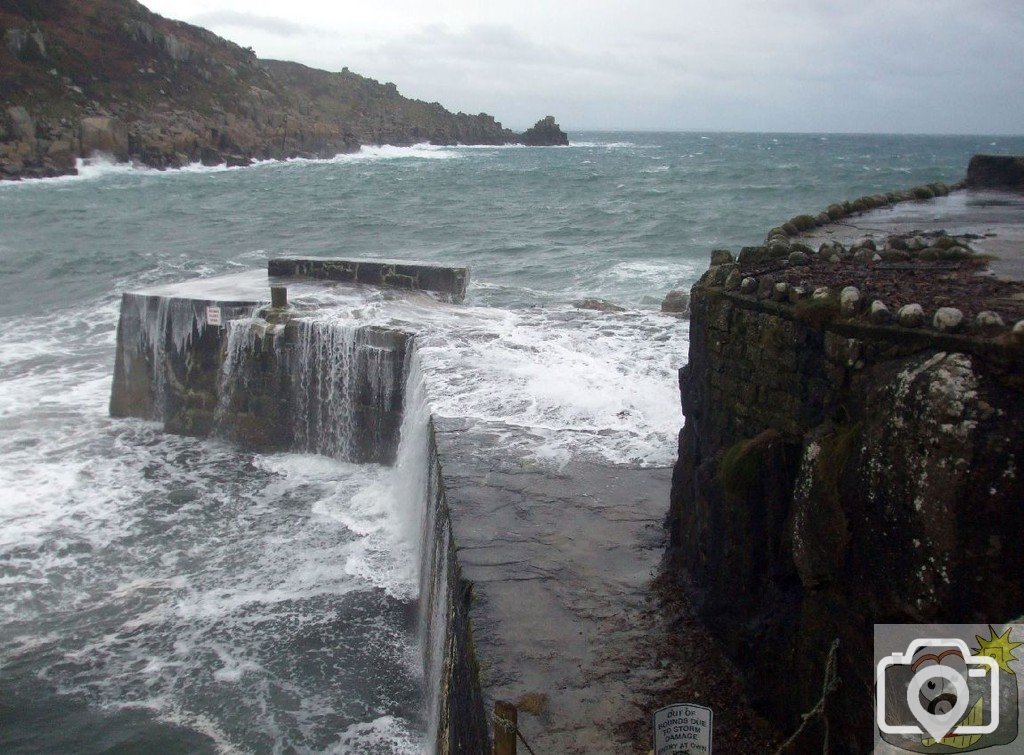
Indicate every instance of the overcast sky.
{"type": "Point", "coordinates": [920, 66]}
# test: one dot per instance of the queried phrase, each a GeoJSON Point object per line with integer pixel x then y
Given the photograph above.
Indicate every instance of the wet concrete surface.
{"type": "Point", "coordinates": [560, 561]}
{"type": "Point", "coordinates": [995, 217]}
{"type": "Point", "coordinates": [563, 610]}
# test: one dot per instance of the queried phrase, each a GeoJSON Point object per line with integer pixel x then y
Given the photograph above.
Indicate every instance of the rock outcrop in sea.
{"type": "Point", "coordinates": [842, 465]}
{"type": "Point", "coordinates": [545, 133]}
{"type": "Point", "coordinates": [109, 76]}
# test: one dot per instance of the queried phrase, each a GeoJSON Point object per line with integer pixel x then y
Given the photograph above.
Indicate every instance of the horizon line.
{"type": "Point", "coordinates": [626, 130]}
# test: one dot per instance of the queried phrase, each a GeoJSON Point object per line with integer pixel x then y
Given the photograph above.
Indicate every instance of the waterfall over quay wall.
{"type": "Point", "coordinates": [295, 384]}
{"type": "Point", "coordinates": [533, 561]}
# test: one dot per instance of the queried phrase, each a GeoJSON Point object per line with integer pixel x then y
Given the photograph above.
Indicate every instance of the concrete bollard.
{"type": "Point", "coordinates": [278, 297]}
{"type": "Point", "coordinates": [505, 724]}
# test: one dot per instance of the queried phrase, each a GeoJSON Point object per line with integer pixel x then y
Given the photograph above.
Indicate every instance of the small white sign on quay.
{"type": "Point", "coordinates": [682, 728]}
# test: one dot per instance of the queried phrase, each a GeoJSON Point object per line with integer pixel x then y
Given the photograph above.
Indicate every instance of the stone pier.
{"type": "Point", "coordinates": [178, 361]}
{"type": "Point", "coordinates": [448, 282]}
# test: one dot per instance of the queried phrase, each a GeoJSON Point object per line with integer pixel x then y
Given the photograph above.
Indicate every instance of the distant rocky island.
{"type": "Point", "coordinates": [85, 76]}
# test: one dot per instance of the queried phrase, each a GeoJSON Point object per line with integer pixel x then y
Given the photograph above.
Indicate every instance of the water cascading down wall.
{"type": "Point", "coordinates": [273, 380]}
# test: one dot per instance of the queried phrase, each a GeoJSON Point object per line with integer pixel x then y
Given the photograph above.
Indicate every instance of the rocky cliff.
{"type": "Point", "coordinates": [80, 76]}
{"type": "Point", "coordinates": [841, 466]}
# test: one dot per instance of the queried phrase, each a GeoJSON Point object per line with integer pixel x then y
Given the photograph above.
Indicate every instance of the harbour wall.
{"type": "Point", "coordinates": [457, 711]}
{"type": "Point", "coordinates": [841, 466]}
{"type": "Point", "coordinates": [449, 283]}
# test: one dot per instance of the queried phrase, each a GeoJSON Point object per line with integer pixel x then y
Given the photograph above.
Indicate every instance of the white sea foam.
{"type": "Point", "coordinates": [576, 383]}
{"type": "Point", "coordinates": [586, 384]}
{"type": "Point", "coordinates": [247, 562]}
{"type": "Point", "coordinates": [88, 169]}
{"type": "Point", "coordinates": [654, 275]}
{"type": "Point", "coordinates": [422, 151]}
{"type": "Point", "coordinates": [150, 571]}
{"type": "Point", "coordinates": [488, 146]}
{"type": "Point", "coordinates": [100, 166]}
{"type": "Point", "coordinates": [385, 735]}
{"type": "Point", "coordinates": [614, 145]}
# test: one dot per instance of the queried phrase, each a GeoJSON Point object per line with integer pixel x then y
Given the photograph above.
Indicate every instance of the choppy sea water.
{"type": "Point", "coordinates": [169, 594]}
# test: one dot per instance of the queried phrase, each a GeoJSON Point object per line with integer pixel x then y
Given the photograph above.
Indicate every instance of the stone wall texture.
{"type": "Point", "coordinates": [996, 172]}
{"type": "Point", "coordinates": [833, 475]}
{"type": "Point", "coordinates": [459, 713]}
{"type": "Point", "coordinates": [449, 283]}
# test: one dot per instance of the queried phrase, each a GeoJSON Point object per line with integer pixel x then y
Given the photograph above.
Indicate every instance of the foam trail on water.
{"type": "Point", "coordinates": [100, 166]}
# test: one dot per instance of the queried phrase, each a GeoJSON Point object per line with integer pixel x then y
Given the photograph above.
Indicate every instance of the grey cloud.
{"type": "Point", "coordinates": [240, 20]}
{"type": "Point", "coordinates": [486, 45]}
{"type": "Point", "coordinates": [789, 65]}
{"type": "Point", "coordinates": [497, 69]}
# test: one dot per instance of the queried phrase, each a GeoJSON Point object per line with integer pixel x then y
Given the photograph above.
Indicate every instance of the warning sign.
{"type": "Point", "coordinates": [213, 316]}
{"type": "Point", "coordinates": [682, 728]}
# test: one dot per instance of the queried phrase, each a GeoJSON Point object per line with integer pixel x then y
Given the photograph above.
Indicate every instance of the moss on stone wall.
{"type": "Point", "coordinates": [817, 312]}
{"type": "Point", "coordinates": [741, 466]}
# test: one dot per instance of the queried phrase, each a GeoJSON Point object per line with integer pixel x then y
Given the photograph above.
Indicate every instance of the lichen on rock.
{"type": "Point", "coordinates": [835, 471]}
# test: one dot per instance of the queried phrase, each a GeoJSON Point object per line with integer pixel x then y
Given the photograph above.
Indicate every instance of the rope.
{"type": "Point", "coordinates": [830, 685]}
{"type": "Point", "coordinates": [520, 734]}
{"type": "Point", "coordinates": [507, 725]}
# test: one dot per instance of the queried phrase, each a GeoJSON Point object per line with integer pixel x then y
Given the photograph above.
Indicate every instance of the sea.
{"type": "Point", "coordinates": [170, 594]}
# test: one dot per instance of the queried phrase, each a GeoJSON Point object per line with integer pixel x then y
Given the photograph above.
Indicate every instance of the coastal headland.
{"type": "Point", "coordinates": [79, 77]}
